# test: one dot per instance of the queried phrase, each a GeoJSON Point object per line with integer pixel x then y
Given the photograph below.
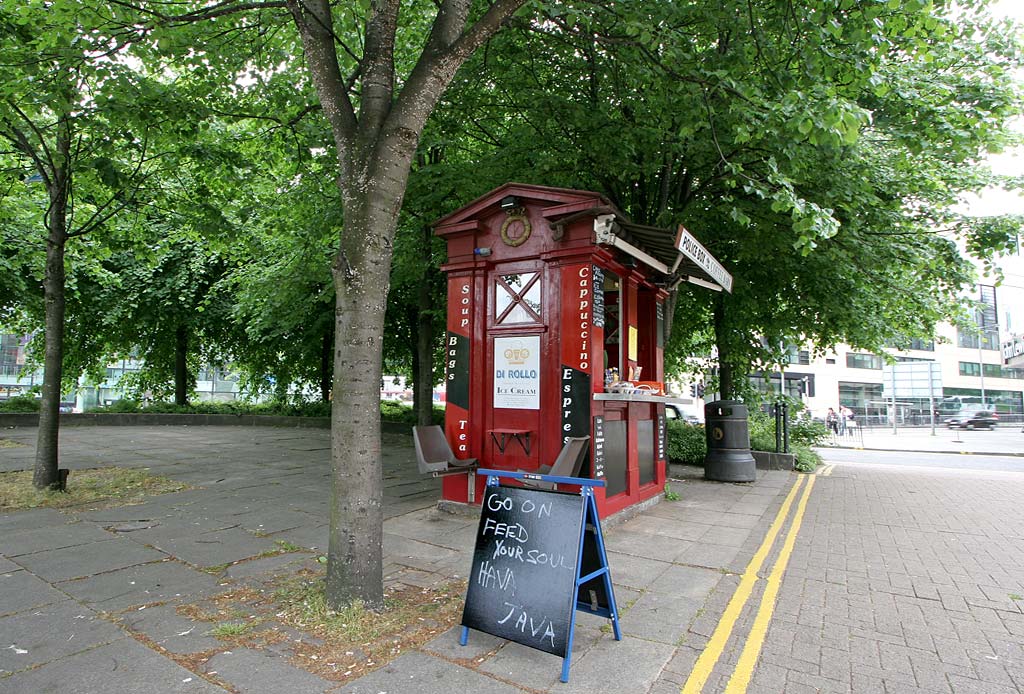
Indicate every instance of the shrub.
{"type": "Point", "coordinates": [806, 459]}
{"type": "Point", "coordinates": [685, 443]}
{"type": "Point", "coordinates": [805, 432]}
{"type": "Point", "coordinates": [20, 403]}
{"type": "Point", "coordinates": [762, 432]}
{"type": "Point", "coordinates": [389, 411]}
{"type": "Point", "coordinates": [802, 432]}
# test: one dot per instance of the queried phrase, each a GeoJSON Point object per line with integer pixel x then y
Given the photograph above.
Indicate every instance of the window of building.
{"type": "Point", "coordinates": [862, 398]}
{"type": "Point", "coordinates": [1003, 401]}
{"type": "Point", "coordinates": [803, 357]}
{"type": "Point", "coordinates": [969, 368]}
{"type": "Point", "coordinates": [830, 361]}
{"type": "Point", "coordinates": [863, 361]}
{"type": "Point", "coordinates": [989, 339]}
{"type": "Point", "coordinates": [517, 298]}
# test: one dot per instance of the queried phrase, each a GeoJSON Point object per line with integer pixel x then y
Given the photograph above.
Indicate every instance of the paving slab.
{"type": "Point", "coordinates": [659, 617]}
{"type": "Point", "coordinates": [533, 669]}
{"type": "Point", "coordinates": [88, 560]}
{"type": "Point", "coordinates": [142, 585]}
{"type": "Point", "coordinates": [166, 628]}
{"type": "Point", "coordinates": [21, 591]}
{"type": "Point", "coordinates": [420, 673]}
{"type": "Point", "coordinates": [213, 548]}
{"type": "Point", "coordinates": [686, 581]}
{"type": "Point", "coordinates": [32, 518]}
{"type": "Point", "coordinates": [614, 667]}
{"type": "Point", "coordinates": [477, 645]}
{"type": "Point", "coordinates": [311, 537]}
{"type": "Point", "coordinates": [14, 543]}
{"type": "Point", "coordinates": [634, 572]}
{"type": "Point", "coordinates": [646, 545]}
{"type": "Point", "coordinates": [124, 667]}
{"type": "Point", "coordinates": [48, 633]}
{"type": "Point", "coordinates": [263, 672]}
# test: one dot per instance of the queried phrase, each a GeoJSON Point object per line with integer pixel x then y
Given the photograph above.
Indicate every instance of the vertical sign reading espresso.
{"type": "Point", "coordinates": [517, 372]}
{"type": "Point", "coordinates": [524, 567]}
{"type": "Point", "coordinates": [576, 349]}
{"type": "Point", "coordinates": [457, 362]}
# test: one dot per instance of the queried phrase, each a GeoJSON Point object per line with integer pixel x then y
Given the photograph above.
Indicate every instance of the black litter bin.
{"type": "Point", "coordinates": [728, 437]}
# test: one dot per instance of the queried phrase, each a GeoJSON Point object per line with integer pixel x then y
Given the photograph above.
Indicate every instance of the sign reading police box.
{"type": "Point", "coordinates": [517, 372]}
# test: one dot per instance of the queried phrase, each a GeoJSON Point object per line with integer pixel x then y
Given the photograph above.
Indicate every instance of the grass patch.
{"type": "Point", "coordinates": [669, 494]}
{"type": "Point", "coordinates": [103, 486]}
{"type": "Point", "coordinates": [1015, 596]}
{"type": "Point", "coordinates": [7, 443]}
{"type": "Point", "coordinates": [231, 630]}
{"type": "Point", "coordinates": [358, 640]}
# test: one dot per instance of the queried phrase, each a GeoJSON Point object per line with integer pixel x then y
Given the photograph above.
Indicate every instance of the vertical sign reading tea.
{"type": "Point", "coordinates": [577, 353]}
{"type": "Point", "coordinates": [457, 361]}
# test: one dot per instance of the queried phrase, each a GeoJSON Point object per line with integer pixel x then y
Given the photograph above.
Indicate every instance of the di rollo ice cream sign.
{"type": "Point", "coordinates": [517, 373]}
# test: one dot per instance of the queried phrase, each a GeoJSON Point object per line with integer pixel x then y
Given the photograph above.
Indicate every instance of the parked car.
{"type": "Point", "coordinates": [674, 412]}
{"type": "Point", "coordinates": [974, 418]}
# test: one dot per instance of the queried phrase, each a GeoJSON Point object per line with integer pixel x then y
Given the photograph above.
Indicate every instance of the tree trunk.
{"type": "Point", "coordinates": [44, 474]}
{"type": "Point", "coordinates": [181, 366]}
{"type": "Point", "coordinates": [424, 361]}
{"type": "Point", "coordinates": [726, 385]}
{"type": "Point", "coordinates": [375, 148]}
{"type": "Point", "coordinates": [361, 278]}
{"type": "Point", "coordinates": [326, 366]}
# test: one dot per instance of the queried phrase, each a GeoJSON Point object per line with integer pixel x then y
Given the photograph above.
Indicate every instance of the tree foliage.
{"type": "Point", "coordinates": [817, 154]}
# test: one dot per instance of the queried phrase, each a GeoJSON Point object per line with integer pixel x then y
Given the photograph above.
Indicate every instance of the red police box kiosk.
{"type": "Point", "coordinates": [556, 321]}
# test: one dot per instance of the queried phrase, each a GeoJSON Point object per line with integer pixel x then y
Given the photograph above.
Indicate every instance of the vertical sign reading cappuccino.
{"type": "Point", "coordinates": [577, 349]}
{"type": "Point", "coordinates": [457, 361]}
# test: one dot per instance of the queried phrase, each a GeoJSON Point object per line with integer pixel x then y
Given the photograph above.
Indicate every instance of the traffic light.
{"type": "Point", "coordinates": [693, 390]}
{"type": "Point", "coordinates": [700, 390]}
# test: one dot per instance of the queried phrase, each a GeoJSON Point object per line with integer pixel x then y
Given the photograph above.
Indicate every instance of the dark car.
{"type": "Point", "coordinates": [973, 419]}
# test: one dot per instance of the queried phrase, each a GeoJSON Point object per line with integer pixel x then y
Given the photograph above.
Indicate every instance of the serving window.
{"type": "Point", "coordinates": [612, 322]}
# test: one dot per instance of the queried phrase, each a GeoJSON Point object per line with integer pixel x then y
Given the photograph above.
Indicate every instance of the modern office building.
{"type": "Point", "coordinates": [971, 362]}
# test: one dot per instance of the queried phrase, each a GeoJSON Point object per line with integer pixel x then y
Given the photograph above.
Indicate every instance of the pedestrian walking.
{"type": "Point", "coordinates": [832, 421]}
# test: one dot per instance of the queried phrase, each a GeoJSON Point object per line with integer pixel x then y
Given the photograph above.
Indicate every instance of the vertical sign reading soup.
{"type": "Point", "coordinates": [522, 582]}
{"type": "Point", "coordinates": [457, 360]}
{"type": "Point", "coordinates": [577, 354]}
{"type": "Point", "coordinates": [517, 372]}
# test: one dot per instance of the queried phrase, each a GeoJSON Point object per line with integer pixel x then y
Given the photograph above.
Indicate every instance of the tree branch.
{"type": "Point", "coordinates": [313, 20]}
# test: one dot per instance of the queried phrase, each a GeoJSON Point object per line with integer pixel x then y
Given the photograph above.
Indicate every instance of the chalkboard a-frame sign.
{"type": "Point", "coordinates": [539, 557]}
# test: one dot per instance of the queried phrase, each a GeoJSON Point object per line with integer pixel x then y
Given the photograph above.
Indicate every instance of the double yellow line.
{"type": "Point", "coordinates": [740, 679]}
